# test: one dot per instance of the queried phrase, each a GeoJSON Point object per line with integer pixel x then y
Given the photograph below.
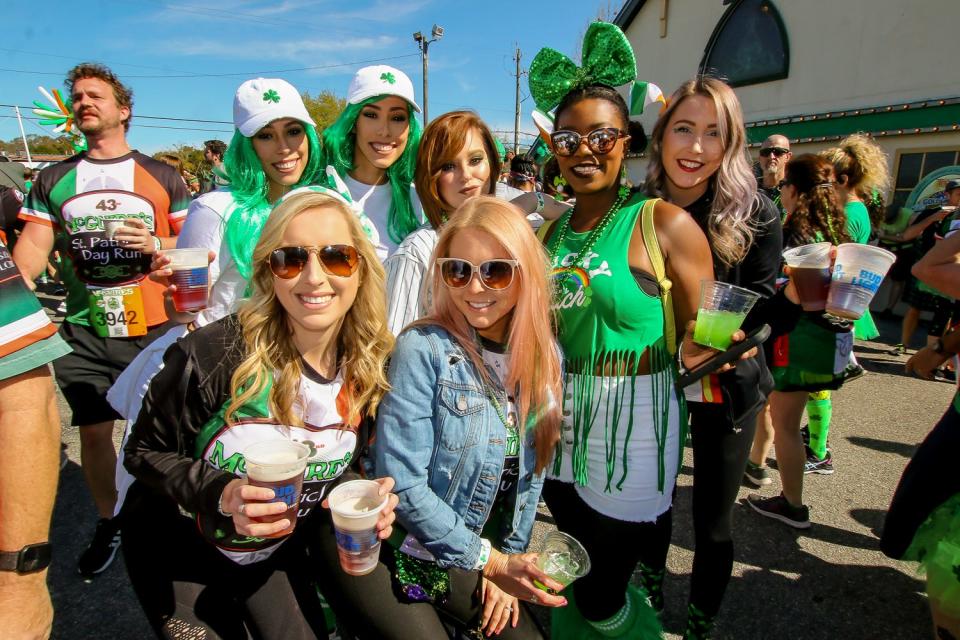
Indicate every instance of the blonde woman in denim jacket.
{"type": "Point", "coordinates": [467, 431]}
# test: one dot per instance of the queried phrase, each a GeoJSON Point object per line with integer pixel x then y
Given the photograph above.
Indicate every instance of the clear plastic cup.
{"type": "Point", "coordinates": [722, 310]}
{"type": "Point", "coordinates": [562, 558]}
{"type": "Point", "coordinates": [110, 227]}
{"type": "Point", "coordinates": [356, 507]}
{"type": "Point", "coordinates": [810, 272]}
{"type": "Point", "coordinates": [857, 273]}
{"type": "Point", "coordinates": [278, 465]}
{"type": "Point", "coordinates": [191, 274]}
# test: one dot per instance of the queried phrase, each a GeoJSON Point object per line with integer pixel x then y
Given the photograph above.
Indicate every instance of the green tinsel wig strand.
{"type": "Point", "coordinates": [249, 186]}
{"type": "Point", "coordinates": [339, 142]}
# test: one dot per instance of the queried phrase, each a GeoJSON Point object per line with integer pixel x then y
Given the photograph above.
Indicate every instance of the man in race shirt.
{"type": "Point", "coordinates": [29, 454]}
{"type": "Point", "coordinates": [113, 309]}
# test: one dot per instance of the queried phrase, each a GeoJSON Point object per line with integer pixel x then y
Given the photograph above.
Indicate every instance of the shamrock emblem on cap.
{"type": "Point", "coordinates": [271, 96]}
{"type": "Point", "coordinates": [388, 77]}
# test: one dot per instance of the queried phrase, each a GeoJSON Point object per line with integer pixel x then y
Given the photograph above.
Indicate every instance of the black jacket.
{"type": "Point", "coordinates": [192, 387]}
{"type": "Point", "coordinates": [745, 387]}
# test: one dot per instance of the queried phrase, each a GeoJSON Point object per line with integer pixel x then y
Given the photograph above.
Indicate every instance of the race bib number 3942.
{"type": "Point", "coordinates": [118, 312]}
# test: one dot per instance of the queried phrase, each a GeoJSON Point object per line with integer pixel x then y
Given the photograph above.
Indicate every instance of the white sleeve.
{"type": "Point", "coordinates": [405, 276]}
{"type": "Point", "coordinates": [203, 229]}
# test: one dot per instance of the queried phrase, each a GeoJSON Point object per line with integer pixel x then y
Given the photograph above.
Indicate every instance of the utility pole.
{"type": "Point", "coordinates": [424, 45]}
{"type": "Point", "coordinates": [516, 121]}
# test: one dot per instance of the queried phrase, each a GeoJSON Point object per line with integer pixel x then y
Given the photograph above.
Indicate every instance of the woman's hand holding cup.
{"type": "Point", "coordinates": [244, 503]}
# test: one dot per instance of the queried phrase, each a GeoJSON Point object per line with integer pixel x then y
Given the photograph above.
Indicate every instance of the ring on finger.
{"type": "Point", "coordinates": [508, 609]}
{"type": "Point", "coordinates": [243, 507]}
{"type": "Point", "coordinates": [534, 598]}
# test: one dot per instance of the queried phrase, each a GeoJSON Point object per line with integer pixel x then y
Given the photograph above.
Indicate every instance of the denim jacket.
{"type": "Point", "coordinates": [440, 438]}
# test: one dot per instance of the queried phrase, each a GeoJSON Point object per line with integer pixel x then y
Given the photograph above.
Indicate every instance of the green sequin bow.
{"type": "Point", "coordinates": [607, 59]}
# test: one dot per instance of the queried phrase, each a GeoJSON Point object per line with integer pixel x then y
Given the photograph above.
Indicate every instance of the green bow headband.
{"type": "Point", "coordinates": [607, 59]}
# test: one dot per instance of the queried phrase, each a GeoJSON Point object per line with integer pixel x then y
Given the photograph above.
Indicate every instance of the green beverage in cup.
{"type": "Point", "coordinates": [562, 558]}
{"type": "Point", "coordinates": [722, 310]}
{"type": "Point", "coordinates": [714, 328]}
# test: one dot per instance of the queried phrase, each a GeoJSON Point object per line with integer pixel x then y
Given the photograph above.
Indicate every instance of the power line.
{"type": "Point", "coordinates": [132, 124]}
{"type": "Point", "coordinates": [230, 122]}
{"type": "Point", "coordinates": [248, 74]}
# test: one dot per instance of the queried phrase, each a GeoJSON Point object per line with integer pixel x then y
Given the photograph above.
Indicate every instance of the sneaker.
{"type": "Point", "coordinates": [945, 374]}
{"type": "Point", "coordinates": [756, 475]}
{"type": "Point", "coordinates": [101, 550]}
{"type": "Point", "coordinates": [852, 372]}
{"type": "Point", "coordinates": [816, 465]}
{"type": "Point", "coordinates": [62, 307]}
{"type": "Point", "coordinates": [898, 350]}
{"type": "Point", "coordinates": [778, 508]}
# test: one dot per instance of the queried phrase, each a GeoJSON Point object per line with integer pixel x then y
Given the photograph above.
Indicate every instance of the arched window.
{"type": "Point", "coordinates": [749, 45]}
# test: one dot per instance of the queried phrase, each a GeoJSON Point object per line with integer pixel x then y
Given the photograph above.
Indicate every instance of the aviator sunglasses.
{"type": "Point", "coordinates": [776, 151]}
{"type": "Point", "coordinates": [494, 274]}
{"type": "Point", "coordinates": [600, 141]}
{"type": "Point", "coordinates": [339, 260]}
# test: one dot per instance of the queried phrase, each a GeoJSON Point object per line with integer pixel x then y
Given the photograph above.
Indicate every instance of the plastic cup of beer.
{"type": "Point", "coordinates": [191, 273]}
{"type": "Point", "coordinates": [722, 310]}
{"type": "Point", "coordinates": [562, 558]}
{"type": "Point", "coordinates": [857, 273]}
{"type": "Point", "coordinates": [278, 465]}
{"type": "Point", "coordinates": [110, 227]}
{"type": "Point", "coordinates": [356, 506]}
{"type": "Point", "coordinates": [810, 271]}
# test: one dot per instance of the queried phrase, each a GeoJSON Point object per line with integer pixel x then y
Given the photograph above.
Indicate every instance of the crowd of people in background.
{"type": "Point", "coordinates": [477, 331]}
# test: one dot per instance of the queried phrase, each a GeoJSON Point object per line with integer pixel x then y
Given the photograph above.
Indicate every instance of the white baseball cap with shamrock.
{"type": "Point", "coordinates": [381, 80]}
{"type": "Point", "coordinates": [260, 101]}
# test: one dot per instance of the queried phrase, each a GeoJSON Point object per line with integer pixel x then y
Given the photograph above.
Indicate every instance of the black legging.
{"type": "Point", "coordinates": [187, 587]}
{"type": "Point", "coordinates": [720, 454]}
{"type": "Point", "coordinates": [369, 609]}
{"type": "Point", "coordinates": [614, 546]}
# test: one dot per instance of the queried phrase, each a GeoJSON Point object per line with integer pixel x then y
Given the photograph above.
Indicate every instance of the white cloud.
{"type": "Point", "coordinates": [308, 51]}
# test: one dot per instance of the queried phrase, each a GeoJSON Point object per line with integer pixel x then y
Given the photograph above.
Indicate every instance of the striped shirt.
{"type": "Point", "coordinates": [78, 195]}
{"type": "Point", "coordinates": [408, 287]}
{"type": "Point", "coordinates": [23, 321]}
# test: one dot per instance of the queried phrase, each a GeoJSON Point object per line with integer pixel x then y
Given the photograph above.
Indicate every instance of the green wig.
{"type": "Point", "coordinates": [249, 186]}
{"type": "Point", "coordinates": [339, 142]}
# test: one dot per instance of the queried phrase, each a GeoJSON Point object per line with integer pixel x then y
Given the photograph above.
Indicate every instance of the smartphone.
{"type": "Point", "coordinates": [756, 337]}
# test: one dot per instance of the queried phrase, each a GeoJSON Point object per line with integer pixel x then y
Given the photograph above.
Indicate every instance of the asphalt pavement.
{"type": "Point", "coordinates": [826, 583]}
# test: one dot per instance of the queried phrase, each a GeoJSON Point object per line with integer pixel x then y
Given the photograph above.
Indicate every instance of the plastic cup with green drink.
{"type": "Point", "coordinates": [562, 558]}
{"type": "Point", "coordinates": [723, 307]}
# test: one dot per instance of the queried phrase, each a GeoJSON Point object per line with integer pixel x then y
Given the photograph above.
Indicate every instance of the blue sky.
{"type": "Point", "coordinates": [214, 46]}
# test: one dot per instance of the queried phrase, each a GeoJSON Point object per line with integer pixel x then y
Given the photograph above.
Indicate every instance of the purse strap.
{"type": "Point", "coordinates": [660, 272]}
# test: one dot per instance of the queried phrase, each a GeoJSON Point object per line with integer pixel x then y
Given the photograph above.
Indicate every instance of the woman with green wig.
{"type": "Point", "coordinates": [371, 149]}
{"type": "Point", "coordinates": [274, 149]}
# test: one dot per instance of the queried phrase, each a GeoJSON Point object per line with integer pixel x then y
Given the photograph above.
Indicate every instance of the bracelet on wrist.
{"type": "Point", "coordinates": [220, 508]}
{"type": "Point", "coordinates": [484, 556]}
{"type": "Point", "coordinates": [539, 196]}
{"type": "Point", "coordinates": [156, 243]}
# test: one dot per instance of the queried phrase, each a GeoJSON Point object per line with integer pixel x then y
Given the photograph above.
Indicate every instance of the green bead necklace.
{"type": "Point", "coordinates": [591, 240]}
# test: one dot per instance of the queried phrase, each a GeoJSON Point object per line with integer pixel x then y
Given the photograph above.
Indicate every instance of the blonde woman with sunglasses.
{"type": "Point", "coordinates": [467, 429]}
{"type": "Point", "coordinates": [303, 360]}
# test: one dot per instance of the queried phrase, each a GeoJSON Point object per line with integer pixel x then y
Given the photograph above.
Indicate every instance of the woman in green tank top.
{"type": "Point", "coordinates": [622, 296]}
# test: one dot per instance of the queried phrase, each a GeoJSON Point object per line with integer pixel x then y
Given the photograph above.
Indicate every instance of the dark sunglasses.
{"type": "Point", "coordinates": [494, 274]}
{"type": "Point", "coordinates": [339, 260]}
{"type": "Point", "coordinates": [775, 151]}
{"type": "Point", "coordinates": [600, 141]}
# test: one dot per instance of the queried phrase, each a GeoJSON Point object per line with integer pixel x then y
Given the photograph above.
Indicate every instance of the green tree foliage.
{"type": "Point", "coordinates": [39, 144]}
{"type": "Point", "coordinates": [324, 108]}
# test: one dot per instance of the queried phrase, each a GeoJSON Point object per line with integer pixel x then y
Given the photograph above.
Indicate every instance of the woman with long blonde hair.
{"type": "Point", "coordinates": [303, 360]}
{"type": "Point", "coordinates": [467, 429]}
{"type": "Point", "coordinates": [699, 161]}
